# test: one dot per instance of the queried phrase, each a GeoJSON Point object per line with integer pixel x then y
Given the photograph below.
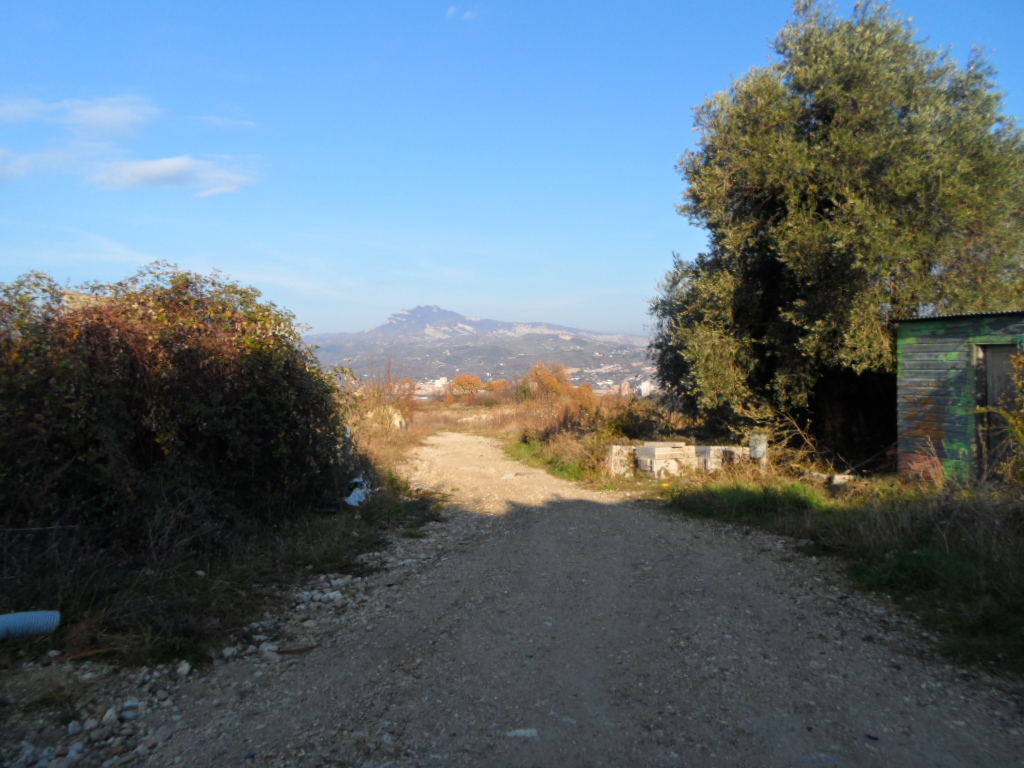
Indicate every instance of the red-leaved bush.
{"type": "Point", "coordinates": [151, 419]}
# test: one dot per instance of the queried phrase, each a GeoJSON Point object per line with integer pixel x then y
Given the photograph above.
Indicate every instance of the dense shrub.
{"type": "Point", "coordinates": [150, 419]}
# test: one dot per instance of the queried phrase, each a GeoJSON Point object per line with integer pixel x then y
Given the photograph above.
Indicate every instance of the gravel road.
{"type": "Point", "coordinates": [548, 625]}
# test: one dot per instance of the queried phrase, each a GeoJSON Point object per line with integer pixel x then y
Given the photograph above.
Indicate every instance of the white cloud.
{"type": "Point", "coordinates": [13, 165]}
{"type": "Point", "coordinates": [63, 158]}
{"type": "Point", "coordinates": [219, 121]}
{"type": "Point", "coordinates": [118, 115]}
{"type": "Point", "coordinates": [22, 110]}
{"type": "Point", "coordinates": [94, 147]}
{"type": "Point", "coordinates": [111, 116]}
{"type": "Point", "coordinates": [183, 171]}
{"type": "Point", "coordinates": [453, 12]}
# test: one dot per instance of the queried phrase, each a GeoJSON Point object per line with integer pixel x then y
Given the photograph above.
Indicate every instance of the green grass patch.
{"type": "Point", "coordinates": [751, 504]}
{"type": "Point", "coordinates": [534, 454]}
{"type": "Point", "coordinates": [954, 556]}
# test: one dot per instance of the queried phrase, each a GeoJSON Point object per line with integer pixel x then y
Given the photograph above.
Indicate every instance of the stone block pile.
{"type": "Point", "coordinates": [666, 459]}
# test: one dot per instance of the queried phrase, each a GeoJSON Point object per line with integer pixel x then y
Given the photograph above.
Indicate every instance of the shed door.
{"type": "Point", "coordinates": [999, 393]}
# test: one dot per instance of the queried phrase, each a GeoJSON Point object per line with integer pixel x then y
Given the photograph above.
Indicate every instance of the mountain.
{"type": "Point", "coordinates": [429, 342]}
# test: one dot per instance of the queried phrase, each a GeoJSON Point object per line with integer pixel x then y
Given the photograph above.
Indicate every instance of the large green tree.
{"type": "Point", "coordinates": [858, 178]}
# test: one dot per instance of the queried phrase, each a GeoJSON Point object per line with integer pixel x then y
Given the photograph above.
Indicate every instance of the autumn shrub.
{"type": "Point", "coordinates": [147, 422]}
{"type": "Point", "coordinates": [382, 413]}
{"type": "Point", "coordinates": [464, 387]}
{"type": "Point", "coordinates": [635, 419]}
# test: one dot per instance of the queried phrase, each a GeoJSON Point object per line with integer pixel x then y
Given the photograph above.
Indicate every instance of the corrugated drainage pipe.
{"type": "Point", "coordinates": [28, 623]}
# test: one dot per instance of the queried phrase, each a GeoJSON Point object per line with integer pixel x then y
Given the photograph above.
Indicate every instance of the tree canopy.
{"type": "Point", "coordinates": [859, 177]}
{"type": "Point", "coordinates": [464, 385]}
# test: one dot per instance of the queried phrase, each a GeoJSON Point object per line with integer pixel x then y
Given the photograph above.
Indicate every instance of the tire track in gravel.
{"type": "Point", "coordinates": [579, 628]}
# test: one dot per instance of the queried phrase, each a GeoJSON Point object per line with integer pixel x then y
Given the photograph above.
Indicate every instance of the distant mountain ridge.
{"type": "Point", "coordinates": [430, 342]}
{"type": "Point", "coordinates": [433, 323]}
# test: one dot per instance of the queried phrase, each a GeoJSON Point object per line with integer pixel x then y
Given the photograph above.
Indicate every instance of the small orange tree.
{"type": "Point", "coordinates": [464, 386]}
{"type": "Point", "coordinates": [503, 390]}
{"type": "Point", "coordinates": [549, 384]}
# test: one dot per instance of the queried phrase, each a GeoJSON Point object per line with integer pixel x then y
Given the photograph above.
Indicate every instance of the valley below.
{"type": "Point", "coordinates": [428, 343]}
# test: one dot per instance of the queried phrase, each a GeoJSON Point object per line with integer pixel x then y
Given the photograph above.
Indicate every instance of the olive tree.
{"type": "Point", "coordinates": [860, 177]}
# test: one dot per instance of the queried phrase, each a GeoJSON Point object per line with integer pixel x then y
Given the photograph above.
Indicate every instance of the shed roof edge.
{"type": "Point", "coordinates": [956, 316]}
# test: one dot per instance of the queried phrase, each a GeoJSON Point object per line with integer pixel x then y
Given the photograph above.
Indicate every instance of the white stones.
{"type": "Point", "coordinates": [183, 669]}
{"type": "Point", "coordinates": [162, 734]}
{"type": "Point", "coordinates": [229, 652]}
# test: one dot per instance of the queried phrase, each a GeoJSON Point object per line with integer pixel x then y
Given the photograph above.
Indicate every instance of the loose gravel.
{"type": "Point", "coordinates": [541, 624]}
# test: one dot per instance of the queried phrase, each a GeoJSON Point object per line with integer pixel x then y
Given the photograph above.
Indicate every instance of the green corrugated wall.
{"type": "Point", "coordinates": [938, 390]}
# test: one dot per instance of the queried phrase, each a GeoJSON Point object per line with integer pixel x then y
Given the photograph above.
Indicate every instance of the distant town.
{"type": "Point", "coordinates": [607, 380]}
{"type": "Point", "coordinates": [432, 346]}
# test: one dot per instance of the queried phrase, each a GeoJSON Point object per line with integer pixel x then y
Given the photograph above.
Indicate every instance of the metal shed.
{"type": "Point", "coordinates": [949, 367]}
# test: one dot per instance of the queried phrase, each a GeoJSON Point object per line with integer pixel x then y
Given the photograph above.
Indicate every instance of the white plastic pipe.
{"type": "Point", "coordinates": [28, 623]}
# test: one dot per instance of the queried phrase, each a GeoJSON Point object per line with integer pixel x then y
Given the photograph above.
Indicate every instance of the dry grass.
{"type": "Point", "coordinates": [953, 553]}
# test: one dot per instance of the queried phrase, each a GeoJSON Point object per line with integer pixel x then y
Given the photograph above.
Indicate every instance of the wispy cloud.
{"type": "Point", "coordinates": [13, 165]}
{"type": "Point", "coordinates": [455, 12]}
{"type": "Point", "coordinates": [219, 121]}
{"type": "Point", "coordinates": [183, 171]}
{"type": "Point", "coordinates": [74, 254]}
{"type": "Point", "coordinates": [68, 157]}
{"type": "Point", "coordinates": [95, 147]}
{"type": "Point", "coordinates": [112, 116]}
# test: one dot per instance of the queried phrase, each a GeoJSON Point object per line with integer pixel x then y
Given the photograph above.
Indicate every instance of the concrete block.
{"type": "Point", "coordinates": [621, 460]}
{"type": "Point", "coordinates": [714, 457]}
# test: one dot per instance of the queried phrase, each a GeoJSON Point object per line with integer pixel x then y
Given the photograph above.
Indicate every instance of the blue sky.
{"type": "Point", "coordinates": [509, 159]}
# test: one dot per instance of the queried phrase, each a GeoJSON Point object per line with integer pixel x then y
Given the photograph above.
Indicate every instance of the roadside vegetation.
{"type": "Point", "coordinates": [167, 442]}
{"type": "Point", "coordinates": [952, 553]}
{"type": "Point", "coordinates": [858, 178]}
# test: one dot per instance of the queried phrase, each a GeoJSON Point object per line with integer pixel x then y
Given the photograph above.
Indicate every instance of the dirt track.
{"type": "Point", "coordinates": [574, 628]}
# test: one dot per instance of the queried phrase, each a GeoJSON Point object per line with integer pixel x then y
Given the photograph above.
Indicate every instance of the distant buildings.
{"type": "Point", "coordinates": [431, 389]}
{"type": "Point", "coordinates": [630, 387]}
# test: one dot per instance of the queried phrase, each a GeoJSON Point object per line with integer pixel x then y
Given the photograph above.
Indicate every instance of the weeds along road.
{"type": "Point", "coordinates": [578, 628]}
